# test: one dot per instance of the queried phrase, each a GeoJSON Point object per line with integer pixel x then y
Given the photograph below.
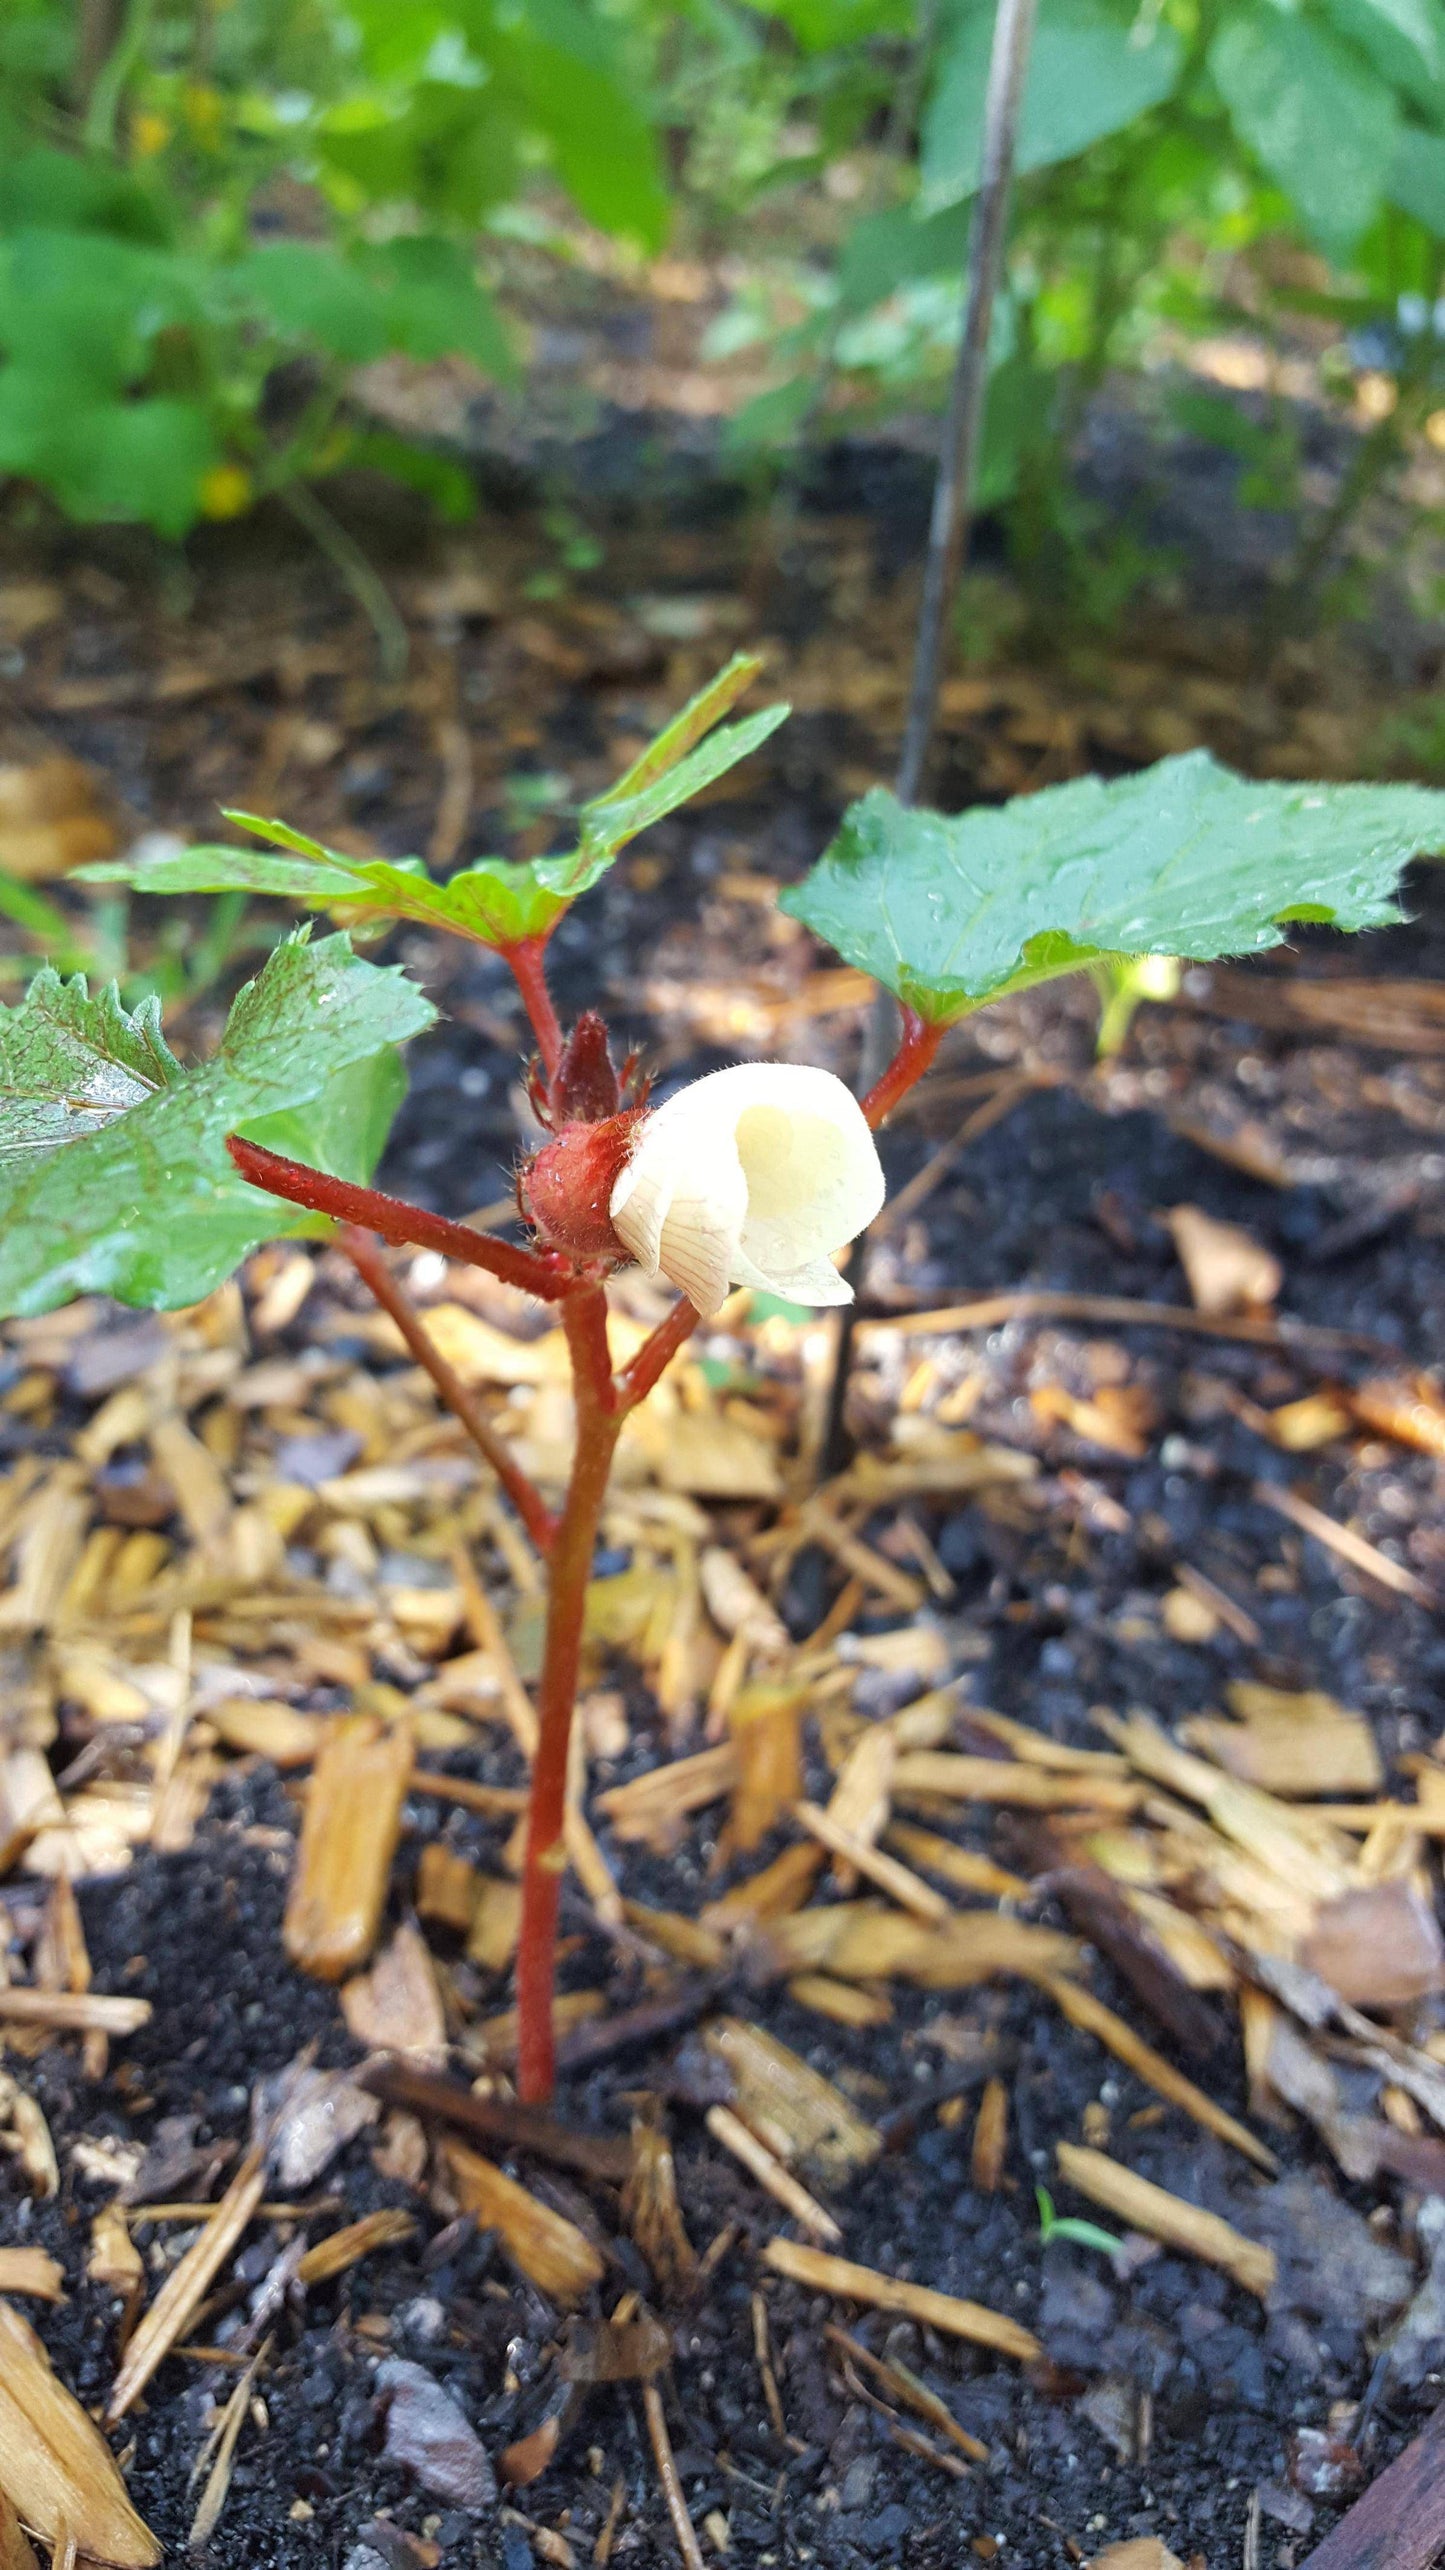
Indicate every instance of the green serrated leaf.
{"type": "Point", "coordinates": [497, 902]}
{"type": "Point", "coordinates": [114, 1175]}
{"type": "Point", "coordinates": [70, 1064]}
{"type": "Point", "coordinates": [343, 1129]}
{"type": "Point", "coordinates": [1186, 859]}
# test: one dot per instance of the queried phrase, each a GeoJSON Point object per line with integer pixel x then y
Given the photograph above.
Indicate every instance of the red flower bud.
{"type": "Point", "coordinates": [566, 1189]}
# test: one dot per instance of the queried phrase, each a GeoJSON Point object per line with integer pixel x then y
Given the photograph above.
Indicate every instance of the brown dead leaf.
{"type": "Point", "coordinates": [1379, 1946]}
{"type": "Point", "coordinates": [261, 1729]}
{"type": "Point", "coordinates": [1228, 1271]}
{"type": "Point", "coordinates": [52, 818]}
{"type": "Point", "coordinates": [15, 2552]}
{"type": "Point", "coordinates": [1117, 1418]}
{"type": "Point", "coordinates": [1316, 1420]}
{"type": "Point", "coordinates": [654, 1805]}
{"type": "Point", "coordinates": [496, 1922]}
{"type": "Point", "coordinates": [764, 1723]}
{"type": "Point", "coordinates": [396, 2006]}
{"type": "Point", "coordinates": [650, 2205]}
{"type": "Point", "coordinates": [447, 1884]}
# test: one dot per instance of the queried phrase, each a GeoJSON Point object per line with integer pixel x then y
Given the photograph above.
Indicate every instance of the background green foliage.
{"type": "Point", "coordinates": [237, 184]}
{"type": "Point", "coordinates": [1187, 167]}
{"type": "Point", "coordinates": [213, 212]}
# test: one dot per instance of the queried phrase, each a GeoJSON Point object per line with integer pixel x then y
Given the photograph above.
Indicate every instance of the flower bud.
{"type": "Point", "coordinates": [750, 1177]}
{"type": "Point", "coordinates": [566, 1188]}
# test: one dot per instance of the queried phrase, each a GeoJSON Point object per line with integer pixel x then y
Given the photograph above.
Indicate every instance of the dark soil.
{"type": "Point", "coordinates": [1168, 2401]}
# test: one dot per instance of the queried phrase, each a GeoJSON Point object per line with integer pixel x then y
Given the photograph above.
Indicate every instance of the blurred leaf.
{"type": "Point", "coordinates": [452, 492]}
{"type": "Point", "coordinates": [91, 306]}
{"type": "Point", "coordinates": [820, 25]}
{"type": "Point", "coordinates": [563, 59]}
{"type": "Point", "coordinates": [47, 188]}
{"type": "Point", "coordinates": [434, 304]}
{"type": "Point", "coordinates": [1314, 114]}
{"type": "Point", "coordinates": [308, 294]}
{"type": "Point", "coordinates": [114, 1175]}
{"type": "Point", "coordinates": [1403, 39]}
{"type": "Point", "coordinates": [888, 250]}
{"type": "Point", "coordinates": [1091, 73]}
{"type": "Point", "coordinates": [448, 148]}
{"type": "Point", "coordinates": [1416, 182]}
{"type": "Point", "coordinates": [1186, 859]}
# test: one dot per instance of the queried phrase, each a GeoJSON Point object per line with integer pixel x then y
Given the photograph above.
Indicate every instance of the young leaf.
{"type": "Point", "coordinates": [497, 902]}
{"type": "Point", "coordinates": [114, 1175]}
{"type": "Point", "coordinates": [1186, 859]}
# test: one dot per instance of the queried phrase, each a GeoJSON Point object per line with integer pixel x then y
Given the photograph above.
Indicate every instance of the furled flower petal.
{"type": "Point", "coordinates": [750, 1177]}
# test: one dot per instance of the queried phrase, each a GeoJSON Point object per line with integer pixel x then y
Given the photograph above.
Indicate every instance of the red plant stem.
{"type": "Point", "coordinates": [528, 962]}
{"type": "Point", "coordinates": [599, 1418]}
{"type": "Point", "coordinates": [917, 1046]}
{"type": "Point", "coordinates": [657, 1353]}
{"type": "Point", "coordinates": [549, 1279]}
{"type": "Point", "coordinates": [371, 1267]}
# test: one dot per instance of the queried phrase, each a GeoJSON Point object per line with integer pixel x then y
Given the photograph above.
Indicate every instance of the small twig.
{"type": "Point", "coordinates": [361, 577]}
{"type": "Point", "coordinates": [1040, 1303]}
{"type": "Point", "coordinates": [763, 2356]}
{"type": "Point", "coordinates": [74, 2012]}
{"type": "Point", "coordinates": [223, 2444]}
{"type": "Point", "coordinates": [651, 2018]}
{"type": "Point", "coordinates": [361, 1248]}
{"type": "Point", "coordinates": [498, 2121]}
{"type": "Point", "coordinates": [1350, 1547]}
{"type": "Point", "coordinates": [662, 2455]}
{"type": "Point", "coordinates": [775, 2180]}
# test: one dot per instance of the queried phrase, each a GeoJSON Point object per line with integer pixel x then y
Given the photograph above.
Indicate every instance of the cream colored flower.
{"type": "Point", "coordinates": [750, 1177]}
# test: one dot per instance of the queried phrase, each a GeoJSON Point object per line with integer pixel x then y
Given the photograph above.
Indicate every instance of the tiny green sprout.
{"type": "Point", "coordinates": [1085, 2235]}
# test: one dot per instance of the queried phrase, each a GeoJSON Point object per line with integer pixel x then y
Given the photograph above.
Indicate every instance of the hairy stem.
{"type": "Point", "coordinates": [656, 1354]}
{"type": "Point", "coordinates": [917, 1046]}
{"type": "Point", "coordinates": [599, 1418]}
{"type": "Point", "coordinates": [529, 968]}
{"type": "Point", "coordinates": [396, 1220]}
{"type": "Point", "coordinates": [371, 1267]}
